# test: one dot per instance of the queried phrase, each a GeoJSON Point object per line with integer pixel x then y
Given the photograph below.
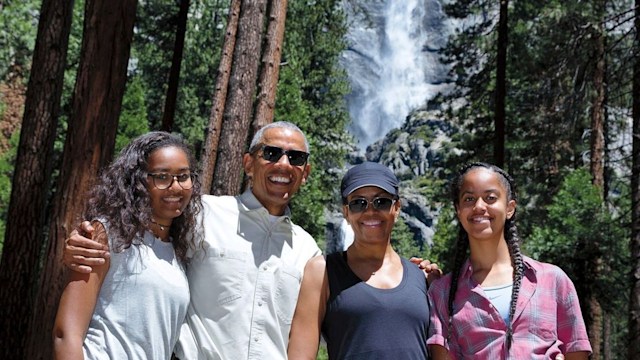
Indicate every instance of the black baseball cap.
{"type": "Point", "coordinates": [369, 174]}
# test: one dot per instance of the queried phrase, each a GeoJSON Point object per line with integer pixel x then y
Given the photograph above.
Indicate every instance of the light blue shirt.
{"type": "Point", "coordinates": [500, 297]}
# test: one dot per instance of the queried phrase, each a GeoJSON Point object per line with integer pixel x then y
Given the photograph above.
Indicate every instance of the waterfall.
{"type": "Point", "coordinates": [391, 62]}
{"type": "Point", "coordinates": [346, 234]}
{"type": "Point", "coordinates": [394, 68]}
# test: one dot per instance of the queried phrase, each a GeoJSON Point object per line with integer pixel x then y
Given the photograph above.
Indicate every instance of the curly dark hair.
{"type": "Point", "coordinates": [120, 195]}
{"type": "Point", "coordinates": [510, 234]}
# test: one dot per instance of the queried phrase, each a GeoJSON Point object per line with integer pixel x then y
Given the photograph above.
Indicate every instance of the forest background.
{"type": "Point", "coordinates": [548, 89]}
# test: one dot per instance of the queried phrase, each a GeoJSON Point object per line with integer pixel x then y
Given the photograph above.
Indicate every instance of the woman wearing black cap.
{"type": "Point", "coordinates": [367, 302]}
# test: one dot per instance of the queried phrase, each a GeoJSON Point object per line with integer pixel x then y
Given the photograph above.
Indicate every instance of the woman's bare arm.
{"type": "Point", "coordinates": [76, 306]}
{"type": "Point", "coordinates": [304, 337]}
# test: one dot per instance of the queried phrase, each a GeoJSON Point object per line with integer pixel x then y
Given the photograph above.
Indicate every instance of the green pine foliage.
{"type": "Point", "coordinates": [444, 239]}
{"type": "Point", "coordinates": [581, 226]}
{"type": "Point", "coordinates": [402, 241]}
{"type": "Point", "coordinates": [133, 116]}
{"type": "Point", "coordinates": [205, 32]}
{"type": "Point", "coordinates": [18, 30]}
{"type": "Point", "coordinates": [151, 54]}
{"type": "Point", "coordinates": [73, 61]}
{"type": "Point", "coordinates": [311, 92]}
{"type": "Point", "coordinates": [578, 215]}
{"type": "Point", "coordinates": [7, 162]}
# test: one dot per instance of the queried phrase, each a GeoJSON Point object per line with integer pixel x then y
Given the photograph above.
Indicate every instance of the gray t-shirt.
{"type": "Point", "coordinates": [141, 305]}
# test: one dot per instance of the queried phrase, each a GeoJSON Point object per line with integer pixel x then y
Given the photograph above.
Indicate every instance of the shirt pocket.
{"type": "Point", "coordinates": [542, 320]}
{"type": "Point", "coordinates": [288, 280]}
{"type": "Point", "coordinates": [545, 330]}
{"type": "Point", "coordinates": [225, 274]}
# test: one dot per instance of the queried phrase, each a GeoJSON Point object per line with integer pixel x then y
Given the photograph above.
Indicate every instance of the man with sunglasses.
{"type": "Point", "coordinates": [244, 278]}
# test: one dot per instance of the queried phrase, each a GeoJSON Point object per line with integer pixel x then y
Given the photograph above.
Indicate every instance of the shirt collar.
{"type": "Point", "coordinates": [251, 203]}
{"type": "Point", "coordinates": [529, 266]}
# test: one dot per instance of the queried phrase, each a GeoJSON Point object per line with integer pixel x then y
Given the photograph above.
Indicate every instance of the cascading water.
{"type": "Point", "coordinates": [393, 65]}
{"type": "Point", "coordinates": [392, 62]}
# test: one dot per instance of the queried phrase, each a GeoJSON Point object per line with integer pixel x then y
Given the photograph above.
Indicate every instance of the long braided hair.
{"type": "Point", "coordinates": [462, 244]}
{"type": "Point", "coordinates": [120, 195]}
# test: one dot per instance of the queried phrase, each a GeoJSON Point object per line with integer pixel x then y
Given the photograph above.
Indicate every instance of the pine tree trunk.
{"type": "Point", "coordinates": [270, 67]}
{"type": "Point", "coordinates": [168, 116]}
{"type": "Point", "coordinates": [634, 243]}
{"type": "Point", "coordinates": [501, 86]}
{"type": "Point", "coordinates": [607, 348]}
{"type": "Point", "coordinates": [595, 325]}
{"type": "Point", "coordinates": [597, 114]}
{"type": "Point", "coordinates": [240, 97]}
{"type": "Point", "coordinates": [100, 85]}
{"type": "Point", "coordinates": [219, 98]}
{"type": "Point", "coordinates": [32, 176]}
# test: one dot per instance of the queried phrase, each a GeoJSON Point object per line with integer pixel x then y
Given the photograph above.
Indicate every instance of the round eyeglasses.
{"type": "Point", "coordinates": [164, 181]}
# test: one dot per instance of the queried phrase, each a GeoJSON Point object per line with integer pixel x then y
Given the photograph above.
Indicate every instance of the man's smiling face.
{"type": "Point", "coordinates": [274, 183]}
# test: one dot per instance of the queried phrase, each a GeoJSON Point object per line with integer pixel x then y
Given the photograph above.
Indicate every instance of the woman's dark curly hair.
{"type": "Point", "coordinates": [510, 234]}
{"type": "Point", "coordinates": [120, 195]}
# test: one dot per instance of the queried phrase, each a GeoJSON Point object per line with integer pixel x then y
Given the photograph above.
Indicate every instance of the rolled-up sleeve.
{"type": "Point", "coordinates": [572, 331]}
{"type": "Point", "coordinates": [437, 296]}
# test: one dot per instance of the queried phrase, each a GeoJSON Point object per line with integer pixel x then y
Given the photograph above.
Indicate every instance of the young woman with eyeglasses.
{"type": "Point", "coordinates": [144, 207]}
{"type": "Point", "coordinates": [498, 303]}
{"type": "Point", "coordinates": [367, 302]}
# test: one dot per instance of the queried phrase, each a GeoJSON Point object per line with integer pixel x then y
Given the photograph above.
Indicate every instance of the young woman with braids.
{"type": "Point", "coordinates": [144, 208]}
{"type": "Point", "coordinates": [498, 303]}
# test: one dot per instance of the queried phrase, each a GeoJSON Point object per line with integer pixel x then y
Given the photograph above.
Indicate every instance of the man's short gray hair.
{"type": "Point", "coordinates": [259, 135]}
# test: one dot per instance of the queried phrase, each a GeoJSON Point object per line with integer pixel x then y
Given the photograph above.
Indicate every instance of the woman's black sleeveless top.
{"type": "Point", "coordinates": [363, 322]}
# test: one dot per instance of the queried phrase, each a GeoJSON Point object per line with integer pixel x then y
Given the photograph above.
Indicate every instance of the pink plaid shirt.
{"type": "Point", "coordinates": [547, 322]}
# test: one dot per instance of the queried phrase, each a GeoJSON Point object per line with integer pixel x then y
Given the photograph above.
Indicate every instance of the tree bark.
{"type": "Point", "coordinates": [168, 115]}
{"type": "Point", "coordinates": [597, 113]}
{"type": "Point", "coordinates": [240, 96]}
{"type": "Point", "coordinates": [100, 85]}
{"type": "Point", "coordinates": [32, 176]}
{"type": "Point", "coordinates": [270, 68]}
{"type": "Point", "coordinates": [607, 347]}
{"type": "Point", "coordinates": [501, 86]}
{"type": "Point", "coordinates": [634, 243]}
{"type": "Point", "coordinates": [219, 98]}
{"type": "Point", "coordinates": [595, 318]}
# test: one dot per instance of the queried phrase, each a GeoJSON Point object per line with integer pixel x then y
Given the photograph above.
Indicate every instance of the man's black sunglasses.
{"type": "Point", "coordinates": [361, 204]}
{"type": "Point", "coordinates": [274, 153]}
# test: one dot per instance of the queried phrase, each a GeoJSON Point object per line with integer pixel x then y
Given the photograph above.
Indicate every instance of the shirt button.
{"type": "Point", "coordinates": [260, 303]}
{"type": "Point", "coordinates": [255, 339]}
{"type": "Point", "coordinates": [264, 268]}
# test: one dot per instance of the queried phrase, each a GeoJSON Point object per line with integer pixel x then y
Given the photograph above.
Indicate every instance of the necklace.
{"type": "Point", "coordinates": [162, 227]}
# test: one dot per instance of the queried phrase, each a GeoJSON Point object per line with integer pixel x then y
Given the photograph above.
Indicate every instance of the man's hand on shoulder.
{"type": "Point", "coordinates": [81, 252]}
{"type": "Point", "coordinates": [431, 270]}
